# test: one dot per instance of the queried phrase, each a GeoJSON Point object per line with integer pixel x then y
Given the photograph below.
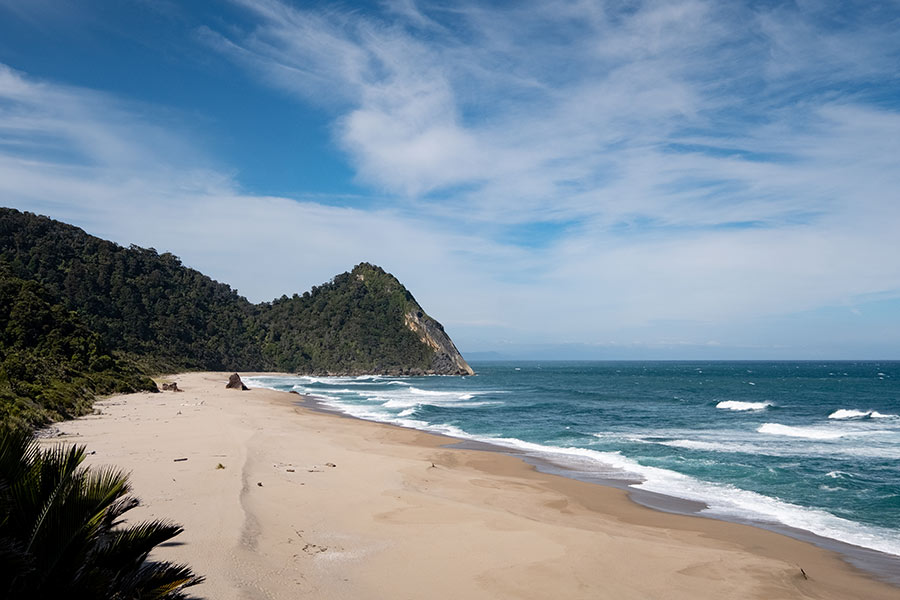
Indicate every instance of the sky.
{"type": "Point", "coordinates": [681, 179]}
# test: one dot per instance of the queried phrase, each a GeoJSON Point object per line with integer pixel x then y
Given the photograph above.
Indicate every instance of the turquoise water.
{"type": "Point", "coordinates": [809, 445]}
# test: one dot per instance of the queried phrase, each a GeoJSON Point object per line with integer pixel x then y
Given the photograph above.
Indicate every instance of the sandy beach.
{"type": "Point", "coordinates": [280, 501]}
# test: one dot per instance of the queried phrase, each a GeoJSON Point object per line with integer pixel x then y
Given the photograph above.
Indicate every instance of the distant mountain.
{"type": "Point", "coordinates": [152, 314]}
{"type": "Point", "coordinates": [487, 355]}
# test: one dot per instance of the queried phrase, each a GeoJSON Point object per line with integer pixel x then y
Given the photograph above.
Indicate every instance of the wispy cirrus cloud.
{"type": "Point", "coordinates": [743, 145]}
{"type": "Point", "coordinates": [548, 110]}
{"type": "Point", "coordinates": [121, 172]}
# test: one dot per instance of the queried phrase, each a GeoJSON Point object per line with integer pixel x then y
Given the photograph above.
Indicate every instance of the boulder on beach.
{"type": "Point", "coordinates": [235, 383]}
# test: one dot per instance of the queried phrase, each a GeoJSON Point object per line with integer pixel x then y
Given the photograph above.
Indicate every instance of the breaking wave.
{"type": "Point", "coordinates": [738, 405]}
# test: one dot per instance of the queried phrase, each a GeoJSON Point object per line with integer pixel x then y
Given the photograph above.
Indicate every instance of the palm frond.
{"type": "Point", "coordinates": [62, 532]}
{"type": "Point", "coordinates": [56, 468]}
{"type": "Point", "coordinates": [161, 581]}
{"type": "Point", "coordinates": [131, 546]}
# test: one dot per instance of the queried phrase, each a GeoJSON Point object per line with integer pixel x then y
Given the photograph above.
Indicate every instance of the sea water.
{"type": "Point", "coordinates": [811, 446]}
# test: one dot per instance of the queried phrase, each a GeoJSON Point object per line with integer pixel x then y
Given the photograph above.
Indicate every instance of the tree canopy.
{"type": "Point", "coordinates": [84, 316]}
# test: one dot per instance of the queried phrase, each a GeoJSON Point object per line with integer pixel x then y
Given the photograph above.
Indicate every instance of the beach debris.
{"type": "Point", "coordinates": [220, 466]}
{"type": "Point", "coordinates": [330, 465]}
{"type": "Point", "coordinates": [314, 549]}
{"type": "Point", "coordinates": [290, 470]}
{"type": "Point", "coordinates": [235, 383]}
{"type": "Point", "coordinates": [802, 572]}
{"type": "Point", "coordinates": [259, 483]}
{"type": "Point", "coordinates": [179, 459]}
{"type": "Point", "coordinates": [171, 387]}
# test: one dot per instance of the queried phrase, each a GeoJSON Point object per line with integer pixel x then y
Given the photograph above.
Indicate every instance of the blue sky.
{"type": "Point", "coordinates": [680, 179]}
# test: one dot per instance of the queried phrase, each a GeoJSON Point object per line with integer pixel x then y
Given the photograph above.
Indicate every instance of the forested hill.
{"type": "Point", "coordinates": [361, 322]}
{"type": "Point", "coordinates": [142, 303]}
{"type": "Point", "coordinates": [148, 313]}
{"type": "Point", "coordinates": [51, 364]}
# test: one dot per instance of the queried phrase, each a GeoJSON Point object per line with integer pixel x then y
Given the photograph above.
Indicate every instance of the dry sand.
{"type": "Point", "coordinates": [278, 522]}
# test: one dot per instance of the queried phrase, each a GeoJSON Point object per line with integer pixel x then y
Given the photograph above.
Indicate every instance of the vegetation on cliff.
{"type": "Point", "coordinates": [354, 324]}
{"type": "Point", "coordinates": [86, 316]}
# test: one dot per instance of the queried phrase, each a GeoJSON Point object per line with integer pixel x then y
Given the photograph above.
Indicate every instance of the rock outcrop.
{"type": "Point", "coordinates": [235, 383]}
{"type": "Point", "coordinates": [447, 359]}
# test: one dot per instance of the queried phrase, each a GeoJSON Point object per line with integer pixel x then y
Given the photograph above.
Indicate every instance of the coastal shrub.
{"type": "Point", "coordinates": [51, 365]}
{"type": "Point", "coordinates": [165, 317]}
{"type": "Point", "coordinates": [61, 531]}
{"type": "Point", "coordinates": [82, 317]}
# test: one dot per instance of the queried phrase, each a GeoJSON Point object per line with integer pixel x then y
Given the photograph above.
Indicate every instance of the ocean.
{"type": "Point", "coordinates": [804, 446]}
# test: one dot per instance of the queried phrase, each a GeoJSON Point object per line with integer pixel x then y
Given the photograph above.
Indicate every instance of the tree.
{"type": "Point", "coordinates": [61, 531]}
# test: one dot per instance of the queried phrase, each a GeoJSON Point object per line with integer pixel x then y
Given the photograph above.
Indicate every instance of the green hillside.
{"type": "Point", "coordinates": [140, 302]}
{"type": "Point", "coordinates": [351, 325]}
{"type": "Point", "coordinates": [148, 313]}
{"type": "Point", "coordinates": [51, 364]}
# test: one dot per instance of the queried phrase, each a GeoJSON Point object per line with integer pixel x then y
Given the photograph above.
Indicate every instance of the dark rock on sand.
{"type": "Point", "coordinates": [235, 383]}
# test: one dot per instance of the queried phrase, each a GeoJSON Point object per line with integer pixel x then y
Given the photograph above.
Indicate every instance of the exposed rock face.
{"type": "Point", "coordinates": [235, 383]}
{"type": "Point", "coordinates": [447, 359]}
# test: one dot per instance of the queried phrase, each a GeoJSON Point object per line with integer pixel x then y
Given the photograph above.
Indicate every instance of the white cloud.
{"type": "Point", "coordinates": [263, 246]}
{"type": "Point", "coordinates": [707, 171]}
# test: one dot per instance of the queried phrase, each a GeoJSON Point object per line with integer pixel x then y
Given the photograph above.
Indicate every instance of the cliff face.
{"type": "Point", "coordinates": [447, 360]}
{"type": "Point", "coordinates": [443, 357]}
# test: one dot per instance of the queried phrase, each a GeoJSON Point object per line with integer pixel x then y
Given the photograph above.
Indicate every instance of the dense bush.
{"type": "Point", "coordinates": [84, 316]}
{"type": "Point", "coordinates": [51, 364]}
{"type": "Point", "coordinates": [353, 324]}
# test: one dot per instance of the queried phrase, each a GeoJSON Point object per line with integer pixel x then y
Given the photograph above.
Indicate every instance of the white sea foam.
{"type": "Point", "coordinates": [852, 413]}
{"type": "Point", "coordinates": [877, 415]}
{"type": "Point", "coordinates": [721, 500]}
{"type": "Point", "coordinates": [396, 402]}
{"type": "Point", "coordinates": [815, 447]}
{"type": "Point", "coordinates": [445, 394]}
{"type": "Point", "coordinates": [811, 433]}
{"type": "Point", "coordinates": [700, 445]}
{"type": "Point", "coordinates": [738, 405]}
{"type": "Point", "coordinates": [849, 413]}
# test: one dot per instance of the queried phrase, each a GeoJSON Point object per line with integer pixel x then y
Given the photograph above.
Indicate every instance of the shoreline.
{"type": "Point", "coordinates": [403, 513]}
{"type": "Point", "coordinates": [883, 567]}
